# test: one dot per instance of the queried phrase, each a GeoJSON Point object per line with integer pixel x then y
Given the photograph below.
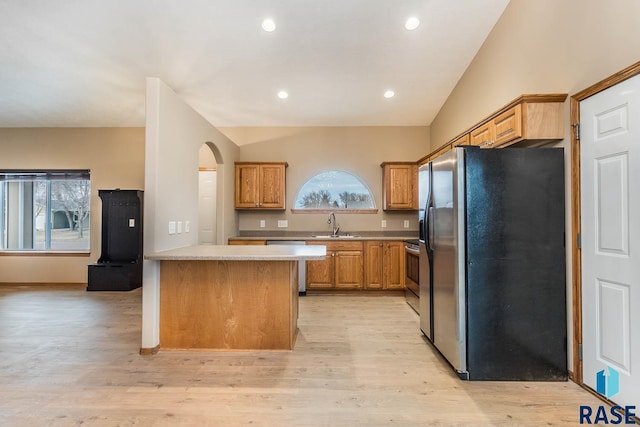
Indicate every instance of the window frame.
{"type": "Point", "coordinates": [48, 176]}
{"type": "Point", "coordinates": [328, 209]}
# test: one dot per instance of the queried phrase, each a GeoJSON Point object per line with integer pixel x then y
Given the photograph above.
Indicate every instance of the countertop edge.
{"type": "Point", "coordinates": [240, 253]}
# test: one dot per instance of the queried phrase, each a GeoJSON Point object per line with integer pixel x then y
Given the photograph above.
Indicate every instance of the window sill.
{"type": "Point", "coordinates": [47, 253]}
{"type": "Point", "coordinates": [336, 211]}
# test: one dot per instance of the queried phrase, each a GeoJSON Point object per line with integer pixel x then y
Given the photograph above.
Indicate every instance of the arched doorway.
{"type": "Point", "coordinates": [207, 193]}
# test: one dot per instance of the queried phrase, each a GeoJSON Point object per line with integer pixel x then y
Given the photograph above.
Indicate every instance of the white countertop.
{"type": "Point", "coordinates": [241, 253]}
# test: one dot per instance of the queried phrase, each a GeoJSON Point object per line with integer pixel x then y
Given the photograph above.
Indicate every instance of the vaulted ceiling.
{"type": "Point", "coordinates": [84, 63]}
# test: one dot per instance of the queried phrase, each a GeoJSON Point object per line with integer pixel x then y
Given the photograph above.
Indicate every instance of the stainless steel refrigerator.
{"type": "Point", "coordinates": [493, 237]}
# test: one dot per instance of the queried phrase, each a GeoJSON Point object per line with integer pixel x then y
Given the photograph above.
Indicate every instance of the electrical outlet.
{"type": "Point", "coordinates": [187, 226]}
{"type": "Point", "coordinates": [263, 223]}
{"type": "Point", "coordinates": [179, 227]}
{"type": "Point", "coordinates": [383, 223]}
{"type": "Point", "coordinates": [172, 227]}
{"type": "Point", "coordinates": [406, 223]}
{"type": "Point", "coordinates": [283, 223]}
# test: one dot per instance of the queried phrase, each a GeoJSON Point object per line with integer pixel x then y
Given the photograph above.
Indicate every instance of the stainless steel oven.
{"type": "Point", "coordinates": [412, 287]}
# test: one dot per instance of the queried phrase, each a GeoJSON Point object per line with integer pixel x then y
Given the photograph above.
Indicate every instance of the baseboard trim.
{"type": "Point", "coordinates": [43, 283]}
{"type": "Point", "coordinates": [149, 351]}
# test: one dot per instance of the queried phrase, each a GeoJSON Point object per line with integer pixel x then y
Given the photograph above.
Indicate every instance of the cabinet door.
{"type": "Point", "coordinates": [272, 186]}
{"type": "Point", "coordinates": [441, 150]}
{"type": "Point", "coordinates": [373, 270]}
{"type": "Point", "coordinates": [463, 140]}
{"type": "Point", "coordinates": [247, 186]}
{"type": "Point", "coordinates": [508, 125]}
{"type": "Point", "coordinates": [483, 136]}
{"type": "Point", "coordinates": [394, 265]}
{"type": "Point", "coordinates": [348, 269]}
{"type": "Point", "coordinates": [320, 274]}
{"type": "Point", "coordinates": [400, 186]}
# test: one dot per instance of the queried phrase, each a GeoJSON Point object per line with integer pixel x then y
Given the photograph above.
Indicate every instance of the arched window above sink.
{"type": "Point", "coordinates": [334, 190]}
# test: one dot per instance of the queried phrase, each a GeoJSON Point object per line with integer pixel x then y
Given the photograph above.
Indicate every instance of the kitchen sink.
{"type": "Point", "coordinates": [329, 236]}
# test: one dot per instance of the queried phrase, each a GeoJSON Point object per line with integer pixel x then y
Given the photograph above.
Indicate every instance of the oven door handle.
{"type": "Point", "coordinates": [411, 250]}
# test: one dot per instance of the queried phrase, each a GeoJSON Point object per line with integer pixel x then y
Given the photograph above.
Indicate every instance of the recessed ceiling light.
{"type": "Point", "coordinates": [412, 23]}
{"type": "Point", "coordinates": [268, 25]}
{"type": "Point", "coordinates": [389, 94]}
{"type": "Point", "coordinates": [283, 94]}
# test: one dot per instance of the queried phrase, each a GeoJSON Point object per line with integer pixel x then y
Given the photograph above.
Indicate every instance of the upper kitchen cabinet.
{"type": "Point", "coordinates": [463, 140]}
{"type": "Point", "coordinates": [506, 127]}
{"type": "Point", "coordinates": [260, 185]}
{"type": "Point", "coordinates": [529, 121]}
{"type": "Point", "coordinates": [400, 185]}
{"type": "Point", "coordinates": [531, 118]}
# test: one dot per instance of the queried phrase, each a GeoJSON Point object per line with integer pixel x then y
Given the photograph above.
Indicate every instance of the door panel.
{"type": "Point", "coordinates": [612, 302]}
{"type": "Point", "coordinates": [207, 207]}
{"type": "Point", "coordinates": [610, 177]}
{"type": "Point", "coordinates": [612, 214]}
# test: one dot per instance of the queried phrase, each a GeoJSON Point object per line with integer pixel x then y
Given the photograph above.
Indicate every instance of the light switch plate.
{"type": "Point", "coordinates": [172, 227]}
{"type": "Point", "coordinates": [187, 226]}
{"type": "Point", "coordinates": [406, 223]}
{"type": "Point", "coordinates": [132, 222]}
{"type": "Point", "coordinates": [263, 223]}
{"type": "Point", "coordinates": [383, 223]}
{"type": "Point", "coordinates": [282, 223]}
{"type": "Point", "coordinates": [179, 227]}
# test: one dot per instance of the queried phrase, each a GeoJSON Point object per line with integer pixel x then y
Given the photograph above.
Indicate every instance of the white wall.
{"type": "Point", "coordinates": [311, 150]}
{"type": "Point", "coordinates": [543, 46]}
{"type": "Point", "coordinates": [115, 157]}
{"type": "Point", "coordinates": [174, 135]}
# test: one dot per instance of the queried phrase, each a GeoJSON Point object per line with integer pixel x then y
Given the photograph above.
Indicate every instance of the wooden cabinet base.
{"type": "Point", "coordinates": [228, 305]}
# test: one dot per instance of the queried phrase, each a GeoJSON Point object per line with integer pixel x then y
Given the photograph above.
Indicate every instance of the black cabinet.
{"type": "Point", "coordinates": [119, 267]}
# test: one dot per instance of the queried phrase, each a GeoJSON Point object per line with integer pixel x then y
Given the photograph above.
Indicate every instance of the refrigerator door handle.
{"type": "Point", "coordinates": [431, 217]}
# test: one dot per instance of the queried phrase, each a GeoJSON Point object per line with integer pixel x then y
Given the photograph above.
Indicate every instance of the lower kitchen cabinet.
{"type": "Point", "coordinates": [384, 265]}
{"type": "Point", "coordinates": [342, 268]}
{"type": "Point", "coordinates": [320, 274]}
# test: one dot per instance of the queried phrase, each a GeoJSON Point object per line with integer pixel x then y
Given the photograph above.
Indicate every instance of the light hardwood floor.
{"type": "Point", "coordinates": [68, 357]}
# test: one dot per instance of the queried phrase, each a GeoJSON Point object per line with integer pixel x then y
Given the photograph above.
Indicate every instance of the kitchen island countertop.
{"type": "Point", "coordinates": [240, 253]}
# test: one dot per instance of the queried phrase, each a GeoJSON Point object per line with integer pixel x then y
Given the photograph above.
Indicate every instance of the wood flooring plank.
{"type": "Point", "coordinates": [69, 357]}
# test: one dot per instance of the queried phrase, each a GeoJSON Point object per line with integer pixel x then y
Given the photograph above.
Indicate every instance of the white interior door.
{"type": "Point", "coordinates": [610, 197]}
{"type": "Point", "coordinates": [207, 207]}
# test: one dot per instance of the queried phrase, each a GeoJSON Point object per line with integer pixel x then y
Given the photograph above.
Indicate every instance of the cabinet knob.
{"type": "Point", "coordinates": [257, 204]}
{"type": "Point", "coordinates": [260, 204]}
{"type": "Point", "coordinates": [380, 244]}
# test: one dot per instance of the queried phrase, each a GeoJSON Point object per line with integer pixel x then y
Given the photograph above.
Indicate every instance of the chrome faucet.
{"type": "Point", "coordinates": [336, 227]}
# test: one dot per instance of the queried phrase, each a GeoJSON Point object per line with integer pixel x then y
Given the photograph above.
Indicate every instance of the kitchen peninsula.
{"type": "Point", "coordinates": [230, 297]}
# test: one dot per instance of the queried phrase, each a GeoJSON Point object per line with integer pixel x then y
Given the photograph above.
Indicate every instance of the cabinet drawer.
{"type": "Point", "coordinates": [332, 245]}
